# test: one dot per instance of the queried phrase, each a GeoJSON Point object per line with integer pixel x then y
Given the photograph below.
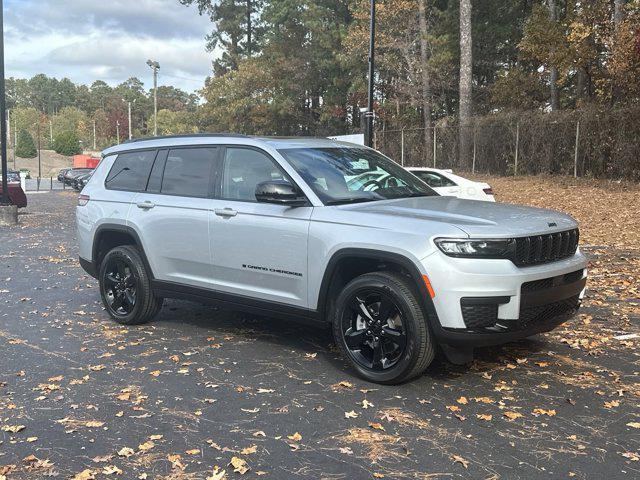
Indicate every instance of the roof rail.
{"type": "Point", "coordinates": [186, 135]}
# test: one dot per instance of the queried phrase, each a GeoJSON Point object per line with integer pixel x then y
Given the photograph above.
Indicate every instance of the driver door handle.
{"type": "Point", "coordinates": [225, 212]}
{"type": "Point", "coordinates": [146, 205]}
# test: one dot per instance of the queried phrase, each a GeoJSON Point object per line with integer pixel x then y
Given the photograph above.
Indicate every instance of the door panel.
{"type": "Point", "coordinates": [259, 249]}
{"type": "Point", "coordinates": [173, 216]}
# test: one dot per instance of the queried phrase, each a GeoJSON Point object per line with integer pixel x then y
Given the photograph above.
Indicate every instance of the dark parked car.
{"type": "Point", "coordinates": [61, 174]}
{"type": "Point", "coordinates": [13, 176]}
{"type": "Point", "coordinates": [81, 180]}
{"type": "Point", "coordinates": [16, 194]}
{"type": "Point", "coordinates": [72, 173]}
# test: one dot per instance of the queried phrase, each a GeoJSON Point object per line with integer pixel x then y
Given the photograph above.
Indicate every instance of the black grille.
{"type": "Point", "coordinates": [479, 316]}
{"type": "Point", "coordinates": [547, 283]}
{"type": "Point", "coordinates": [546, 248]}
{"type": "Point", "coordinates": [543, 313]}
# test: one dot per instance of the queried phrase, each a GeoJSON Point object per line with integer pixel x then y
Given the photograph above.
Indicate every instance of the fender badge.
{"type": "Point", "coordinates": [552, 224]}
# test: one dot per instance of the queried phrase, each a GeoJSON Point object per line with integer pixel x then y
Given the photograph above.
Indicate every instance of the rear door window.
{"type": "Point", "coordinates": [188, 172]}
{"type": "Point", "coordinates": [130, 171]}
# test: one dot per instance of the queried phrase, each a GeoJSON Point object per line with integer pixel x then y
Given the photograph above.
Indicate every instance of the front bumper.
{"type": "Point", "coordinates": [486, 302]}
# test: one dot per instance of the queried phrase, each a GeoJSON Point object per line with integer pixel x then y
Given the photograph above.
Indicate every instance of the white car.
{"type": "Point", "coordinates": [446, 183]}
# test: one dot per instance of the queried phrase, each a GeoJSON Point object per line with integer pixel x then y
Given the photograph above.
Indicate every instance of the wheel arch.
{"type": "Point", "coordinates": [111, 235]}
{"type": "Point", "coordinates": [364, 259]}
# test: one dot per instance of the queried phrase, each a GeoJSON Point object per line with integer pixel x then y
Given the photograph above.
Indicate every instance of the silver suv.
{"type": "Point", "coordinates": [299, 228]}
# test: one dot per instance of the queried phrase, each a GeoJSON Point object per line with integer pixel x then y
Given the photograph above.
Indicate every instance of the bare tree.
{"type": "Point", "coordinates": [466, 82]}
{"type": "Point", "coordinates": [553, 80]}
{"type": "Point", "coordinates": [426, 84]}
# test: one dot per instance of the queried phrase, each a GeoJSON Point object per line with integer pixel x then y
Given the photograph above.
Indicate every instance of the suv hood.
{"type": "Point", "coordinates": [477, 219]}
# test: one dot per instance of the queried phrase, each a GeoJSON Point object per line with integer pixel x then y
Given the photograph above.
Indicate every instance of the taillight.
{"type": "Point", "coordinates": [488, 191]}
{"type": "Point", "coordinates": [83, 200]}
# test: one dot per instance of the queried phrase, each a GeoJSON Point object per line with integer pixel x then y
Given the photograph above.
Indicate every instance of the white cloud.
{"type": "Point", "coordinates": [109, 40]}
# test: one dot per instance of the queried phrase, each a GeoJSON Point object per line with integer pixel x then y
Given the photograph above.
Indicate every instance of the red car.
{"type": "Point", "coordinates": [16, 194]}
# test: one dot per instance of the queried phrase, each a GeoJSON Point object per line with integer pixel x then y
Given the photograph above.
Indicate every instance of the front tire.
{"type": "Point", "coordinates": [380, 328]}
{"type": "Point", "coordinates": [125, 287]}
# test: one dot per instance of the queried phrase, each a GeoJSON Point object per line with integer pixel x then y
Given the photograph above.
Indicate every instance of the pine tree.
{"type": "Point", "coordinates": [25, 146]}
{"type": "Point", "coordinates": [67, 143]}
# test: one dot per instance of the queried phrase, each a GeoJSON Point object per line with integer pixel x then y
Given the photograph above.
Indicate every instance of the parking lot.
{"type": "Point", "coordinates": [198, 388]}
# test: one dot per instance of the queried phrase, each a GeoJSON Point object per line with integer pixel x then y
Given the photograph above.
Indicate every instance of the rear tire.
{"type": "Point", "coordinates": [125, 287]}
{"type": "Point", "coordinates": [389, 341]}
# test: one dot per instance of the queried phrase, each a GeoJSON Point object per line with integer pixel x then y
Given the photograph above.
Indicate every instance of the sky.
{"type": "Point", "coordinates": [110, 40]}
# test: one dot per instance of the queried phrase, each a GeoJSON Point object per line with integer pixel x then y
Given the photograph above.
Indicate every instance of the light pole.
{"type": "Point", "coordinates": [129, 107]}
{"type": "Point", "coordinates": [3, 118]}
{"type": "Point", "coordinates": [129, 113]}
{"type": "Point", "coordinates": [155, 66]}
{"type": "Point", "coordinates": [118, 130]}
{"type": "Point", "coordinates": [369, 114]}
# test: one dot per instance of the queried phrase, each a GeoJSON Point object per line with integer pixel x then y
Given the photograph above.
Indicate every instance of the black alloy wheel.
{"type": "Point", "coordinates": [380, 326]}
{"type": "Point", "coordinates": [125, 286]}
{"type": "Point", "coordinates": [120, 286]}
{"type": "Point", "coordinates": [373, 329]}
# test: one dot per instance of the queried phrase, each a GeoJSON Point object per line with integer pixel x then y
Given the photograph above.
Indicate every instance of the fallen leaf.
{"type": "Point", "coordinates": [126, 452]}
{"type": "Point", "coordinates": [193, 451]}
{"type": "Point", "coordinates": [351, 414]}
{"type": "Point", "coordinates": [87, 474]}
{"type": "Point", "coordinates": [512, 415]}
{"type": "Point", "coordinates": [462, 400]}
{"type": "Point", "coordinates": [249, 450]}
{"type": "Point", "coordinates": [111, 469]}
{"type": "Point", "coordinates": [296, 437]}
{"type": "Point", "coordinates": [239, 465]}
{"type": "Point", "coordinates": [217, 474]}
{"type": "Point", "coordinates": [633, 424]}
{"type": "Point", "coordinates": [376, 426]}
{"type": "Point", "coordinates": [146, 446]}
{"type": "Point", "coordinates": [542, 411]}
{"type": "Point", "coordinates": [13, 428]}
{"type": "Point", "coordinates": [460, 460]}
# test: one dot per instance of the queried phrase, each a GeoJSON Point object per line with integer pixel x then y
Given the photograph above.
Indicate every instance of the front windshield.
{"type": "Point", "coordinates": [351, 174]}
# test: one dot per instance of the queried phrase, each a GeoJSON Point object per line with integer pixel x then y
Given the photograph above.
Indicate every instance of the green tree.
{"type": "Point", "coordinates": [67, 143]}
{"type": "Point", "coordinates": [25, 147]}
{"type": "Point", "coordinates": [237, 32]}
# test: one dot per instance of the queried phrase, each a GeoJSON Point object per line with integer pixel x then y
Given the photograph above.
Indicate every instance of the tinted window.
{"type": "Point", "coordinates": [187, 172]}
{"type": "Point", "coordinates": [130, 171]}
{"type": "Point", "coordinates": [434, 179]}
{"type": "Point", "coordinates": [245, 168]}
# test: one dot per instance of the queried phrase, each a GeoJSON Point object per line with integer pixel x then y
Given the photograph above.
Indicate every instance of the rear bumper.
{"type": "Point", "coordinates": [482, 302]}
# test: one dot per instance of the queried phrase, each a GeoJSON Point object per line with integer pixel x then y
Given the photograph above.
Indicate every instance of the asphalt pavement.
{"type": "Point", "coordinates": [81, 396]}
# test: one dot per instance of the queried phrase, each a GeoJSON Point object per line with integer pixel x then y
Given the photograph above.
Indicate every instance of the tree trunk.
{"type": "Point", "coordinates": [248, 28]}
{"type": "Point", "coordinates": [553, 80]}
{"type": "Point", "coordinates": [618, 15]}
{"type": "Point", "coordinates": [426, 84]}
{"type": "Point", "coordinates": [466, 82]}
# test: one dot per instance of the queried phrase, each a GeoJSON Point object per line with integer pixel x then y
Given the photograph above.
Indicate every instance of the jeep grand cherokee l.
{"type": "Point", "coordinates": [274, 226]}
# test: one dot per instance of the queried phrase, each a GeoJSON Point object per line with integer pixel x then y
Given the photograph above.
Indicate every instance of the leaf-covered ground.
{"type": "Point", "coordinates": [81, 397]}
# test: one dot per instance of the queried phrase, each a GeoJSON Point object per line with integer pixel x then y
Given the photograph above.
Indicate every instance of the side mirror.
{"type": "Point", "coordinates": [279, 192]}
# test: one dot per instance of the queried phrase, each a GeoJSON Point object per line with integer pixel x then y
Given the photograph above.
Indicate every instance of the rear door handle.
{"type": "Point", "coordinates": [146, 205]}
{"type": "Point", "coordinates": [225, 212]}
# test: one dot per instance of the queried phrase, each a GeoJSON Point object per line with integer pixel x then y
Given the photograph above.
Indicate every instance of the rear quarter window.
{"type": "Point", "coordinates": [130, 171]}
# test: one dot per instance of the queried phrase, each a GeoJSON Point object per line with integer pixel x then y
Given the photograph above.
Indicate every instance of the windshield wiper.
{"type": "Point", "coordinates": [341, 201]}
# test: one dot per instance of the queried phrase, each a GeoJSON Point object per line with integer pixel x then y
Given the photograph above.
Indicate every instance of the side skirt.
{"type": "Point", "coordinates": [237, 302]}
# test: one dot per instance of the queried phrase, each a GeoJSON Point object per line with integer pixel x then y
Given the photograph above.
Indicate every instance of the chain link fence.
{"type": "Point", "coordinates": [593, 143]}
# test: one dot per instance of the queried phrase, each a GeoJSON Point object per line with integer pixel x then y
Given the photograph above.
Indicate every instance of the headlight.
{"type": "Point", "coordinates": [479, 248]}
